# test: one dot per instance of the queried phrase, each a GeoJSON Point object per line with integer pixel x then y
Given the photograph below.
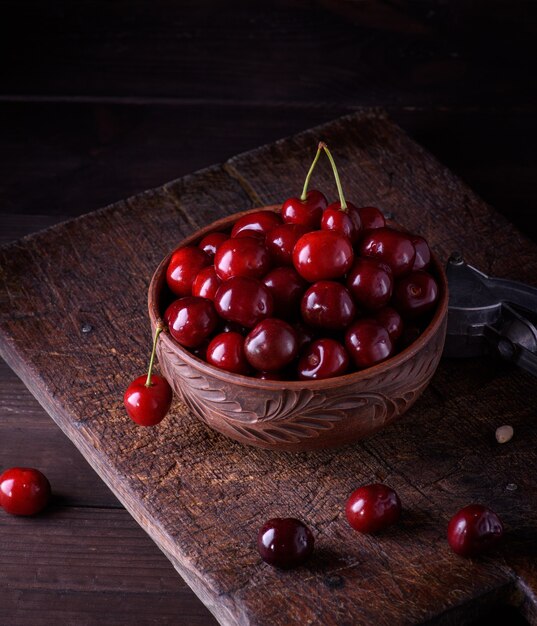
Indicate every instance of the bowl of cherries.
{"type": "Point", "coordinates": [302, 325]}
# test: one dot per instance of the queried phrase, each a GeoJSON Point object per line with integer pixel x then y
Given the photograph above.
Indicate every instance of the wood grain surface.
{"type": "Point", "coordinates": [202, 497]}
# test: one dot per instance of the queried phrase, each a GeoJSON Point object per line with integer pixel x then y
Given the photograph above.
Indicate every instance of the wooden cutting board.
{"type": "Point", "coordinates": [74, 326]}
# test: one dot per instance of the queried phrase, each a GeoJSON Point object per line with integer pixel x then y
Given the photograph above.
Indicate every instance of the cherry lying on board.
{"type": "Point", "coordinates": [285, 542]}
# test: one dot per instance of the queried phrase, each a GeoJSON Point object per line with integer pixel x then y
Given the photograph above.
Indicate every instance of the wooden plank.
{"type": "Point", "coordinates": [81, 566]}
{"type": "Point", "coordinates": [280, 51]}
{"type": "Point", "coordinates": [202, 497]}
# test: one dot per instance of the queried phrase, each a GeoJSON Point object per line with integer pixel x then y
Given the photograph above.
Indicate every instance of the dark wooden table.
{"type": "Point", "coordinates": [102, 101]}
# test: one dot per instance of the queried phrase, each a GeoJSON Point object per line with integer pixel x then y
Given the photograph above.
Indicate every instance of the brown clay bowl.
{"type": "Point", "coordinates": [298, 415]}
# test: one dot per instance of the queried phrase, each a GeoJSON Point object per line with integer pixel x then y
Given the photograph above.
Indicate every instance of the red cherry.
{"type": "Point", "coordinates": [372, 508]}
{"type": "Point", "coordinates": [148, 405]}
{"type": "Point", "coordinates": [285, 542]}
{"type": "Point", "coordinates": [287, 288]}
{"type": "Point", "coordinates": [323, 358]}
{"type": "Point", "coordinates": [473, 530]}
{"type": "Point", "coordinates": [185, 264]}
{"type": "Point", "coordinates": [322, 255]}
{"type": "Point", "coordinates": [304, 333]}
{"type": "Point", "coordinates": [226, 351]}
{"type": "Point", "coordinates": [269, 376]}
{"type": "Point", "coordinates": [206, 283]}
{"type": "Point", "coordinates": [191, 320]}
{"type": "Point", "coordinates": [306, 212]}
{"type": "Point", "coordinates": [391, 247]}
{"type": "Point", "coordinates": [211, 242]}
{"type": "Point", "coordinates": [271, 345]}
{"type": "Point", "coordinates": [242, 256]}
{"type": "Point", "coordinates": [259, 222]}
{"type": "Point", "coordinates": [245, 301]}
{"type": "Point", "coordinates": [368, 343]}
{"type": "Point", "coordinates": [346, 223]}
{"type": "Point", "coordinates": [370, 282]}
{"type": "Point", "coordinates": [148, 398]}
{"type": "Point", "coordinates": [24, 491]}
{"type": "Point", "coordinates": [392, 322]}
{"type": "Point", "coordinates": [423, 253]}
{"type": "Point", "coordinates": [371, 217]}
{"type": "Point", "coordinates": [415, 294]}
{"type": "Point", "coordinates": [281, 240]}
{"type": "Point", "coordinates": [328, 304]}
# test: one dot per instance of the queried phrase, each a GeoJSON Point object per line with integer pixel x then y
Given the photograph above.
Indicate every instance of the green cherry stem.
{"type": "Point", "coordinates": [338, 182]}
{"type": "Point", "coordinates": [159, 329]}
{"type": "Point", "coordinates": [308, 176]}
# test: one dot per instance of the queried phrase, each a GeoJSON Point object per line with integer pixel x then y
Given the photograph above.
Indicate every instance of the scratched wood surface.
{"type": "Point", "coordinates": [201, 497]}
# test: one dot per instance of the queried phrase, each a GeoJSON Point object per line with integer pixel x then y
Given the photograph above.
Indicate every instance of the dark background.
{"type": "Point", "coordinates": [100, 100]}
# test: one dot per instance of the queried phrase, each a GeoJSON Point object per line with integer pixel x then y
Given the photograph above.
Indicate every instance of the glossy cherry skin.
{"type": "Point", "coordinates": [211, 242]}
{"type": "Point", "coordinates": [242, 256]}
{"type": "Point", "coordinates": [368, 343]}
{"type": "Point", "coordinates": [245, 301]}
{"type": "Point", "coordinates": [306, 212]}
{"type": "Point", "coordinates": [191, 320]}
{"type": "Point", "coordinates": [24, 491]}
{"type": "Point", "coordinates": [370, 282]}
{"type": "Point", "coordinates": [473, 530]}
{"type": "Point", "coordinates": [281, 240]}
{"type": "Point", "coordinates": [148, 406]}
{"type": "Point", "coordinates": [260, 221]}
{"type": "Point", "coordinates": [327, 304]}
{"type": "Point", "coordinates": [185, 264]}
{"type": "Point", "coordinates": [285, 542]}
{"type": "Point", "coordinates": [322, 255]}
{"type": "Point", "coordinates": [271, 345]}
{"type": "Point", "coordinates": [347, 223]}
{"type": "Point", "coordinates": [392, 322]}
{"type": "Point", "coordinates": [415, 294]}
{"type": "Point", "coordinates": [226, 351]}
{"type": "Point", "coordinates": [423, 253]}
{"type": "Point", "coordinates": [206, 283]}
{"type": "Point", "coordinates": [323, 358]}
{"type": "Point", "coordinates": [287, 288]}
{"type": "Point", "coordinates": [371, 217]}
{"type": "Point", "coordinates": [390, 246]}
{"type": "Point", "coordinates": [372, 508]}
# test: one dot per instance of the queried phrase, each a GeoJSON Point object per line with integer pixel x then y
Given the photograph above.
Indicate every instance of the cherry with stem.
{"type": "Point", "coordinates": [148, 398]}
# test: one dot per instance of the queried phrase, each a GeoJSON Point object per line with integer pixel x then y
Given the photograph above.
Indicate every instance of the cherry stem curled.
{"type": "Point", "coordinates": [159, 329]}
{"type": "Point", "coordinates": [336, 176]}
{"type": "Point", "coordinates": [310, 172]}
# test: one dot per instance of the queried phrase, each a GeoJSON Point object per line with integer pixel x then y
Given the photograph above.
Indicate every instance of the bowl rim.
{"type": "Point", "coordinates": [271, 385]}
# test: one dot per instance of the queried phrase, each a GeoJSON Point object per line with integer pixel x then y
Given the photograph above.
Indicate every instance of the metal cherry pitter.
{"type": "Point", "coordinates": [490, 316]}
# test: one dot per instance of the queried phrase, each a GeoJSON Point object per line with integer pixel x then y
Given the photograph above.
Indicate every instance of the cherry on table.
{"type": "Point", "coordinates": [328, 304]}
{"type": "Point", "coordinates": [148, 398]}
{"type": "Point", "coordinates": [474, 529]}
{"type": "Point", "coordinates": [242, 256]}
{"type": "Point", "coordinates": [285, 542]}
{"type": "Point", "coordinates": [370, 282]}
{"type": "Point", "coordinates": [226, 351]}
{"type": "Point", "coordinates": [185, 264]}
{"type": "Point", "coordinates": [191, 320]}
{"type": "Point", "coordinates": [258, 222]}
{"type": "Point", "coordinates": [271, 345]}
{"type": "Point", "coordinates": [245, 301]}
{"type": "Point", "coordinates": [372, 508]}
{"type": "Point", "coordinates": [391, 246]}
{"type": "Point", "coordinates": [211, 242]}
{"type": "Point", "coordinates": [323, 358]}
{"type": "Point", "coordinates": [24, 491]}
{"type": "Point", "coordinates": [415, 294]}
{"type": "Point", "coordinates": [368, 343]}
{"type": "Point", "coordinates": [322, 255]}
